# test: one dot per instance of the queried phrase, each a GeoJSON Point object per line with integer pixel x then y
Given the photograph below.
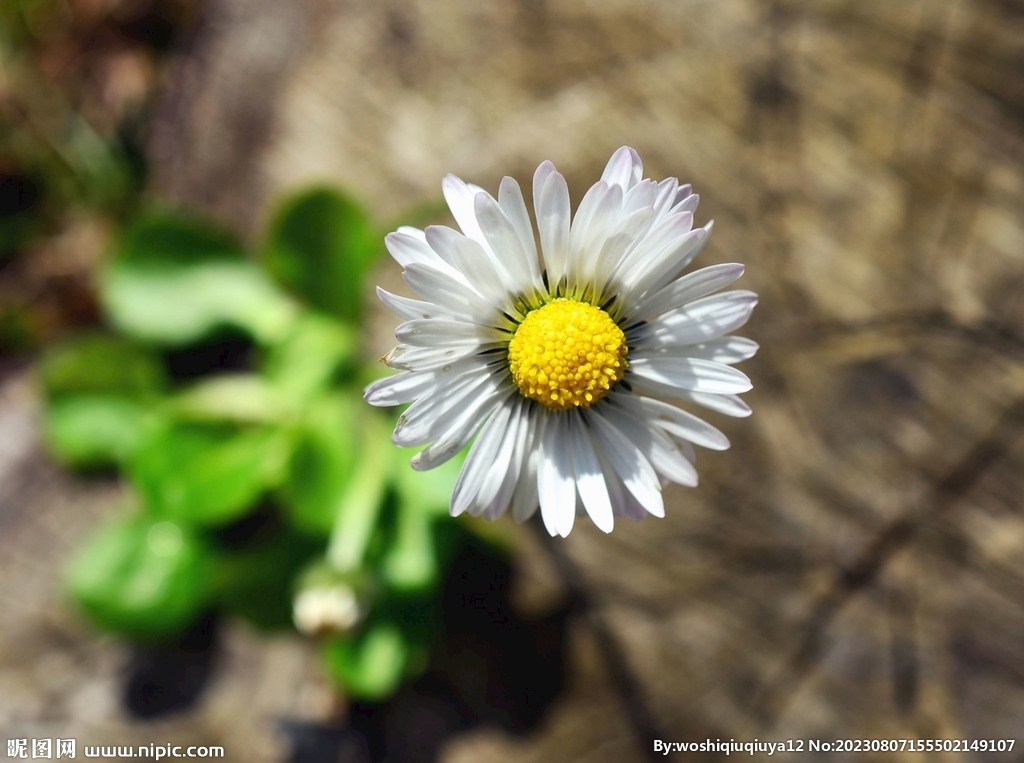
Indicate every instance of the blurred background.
{"type": "Point", "coordinates": [852, 568]}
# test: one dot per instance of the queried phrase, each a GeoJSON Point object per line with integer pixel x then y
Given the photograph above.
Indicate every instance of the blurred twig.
{"type": "Point", "coordinates": [848, 581]}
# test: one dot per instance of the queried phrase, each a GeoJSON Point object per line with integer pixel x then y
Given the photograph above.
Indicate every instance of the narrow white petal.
{"type": "Point", "coordinates": [398, 389]}
{"type": "Point", "coordinates": [410, 309]}
{"type": "Point", "coordinates": [590, 481]}
{"type": "Point", "coordinates": [505, 243]}
{"type": "Point", "coordinates": [461, 431]}
{"type": "Point", "coordinates": [690, 287]}
{"type": "Point", "coordinates": [587, 238]}
{"type": "Point", "coordinates": [442, 333]}
{"type": "Point", "coordinates": [451, 295]}
{"type": "Point", "coordinates": [504, 496]}
{"type": "Point", "coordinates": [499, 464]}
{"type": "Point", "coordinates": [683, 258]}
{"type": "Point", "coordinates": [406, 357]}
{"type": "Point", "coordinates": [510, 199]}
{"type": "Point", "coordinates": [480, 460]}
{"type": "Point", "coordinates": [628, 462]}
{"type": "Point", "coordinates": [525, 500]}
{"type": "Point", "coordinates": [730, 405]}
{"type": "Point", "coordinates": [656, 447]}
{"type": "Point", "coordinates": [700, 321]}
{"type": "Point", "coordinates": [624, 168]}
{"type": "Point", "coordinates": [727, 349]}
{"type": "Point", "coordinates": [459, 196]}
{"type": "Point", "coordinates": [692, 374]}
{"type": "Point", "coordinates": [662, 266]}
{"type": "Point", "coordinates": [556, 485]}
{"type": "Point", "coordinates": [481, 270]}
{"type": "Point", "coordinates": [674, 420]}
{"type": "Point", "coordinates": [616, 246]}
{"type": "Point", "coordinates": [643, 194]}
{"type": "Point", "coordinates": [552, 208]}
{"type": "Point", "coordinates": [408, 250]}
{"type": "Point", "coordinates": [410, 231]}
{"type": "Point", "coordinates": [434, 411]}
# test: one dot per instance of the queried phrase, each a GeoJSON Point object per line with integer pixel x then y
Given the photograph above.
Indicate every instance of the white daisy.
{"type": "Point", "coordinates": [555, 360]}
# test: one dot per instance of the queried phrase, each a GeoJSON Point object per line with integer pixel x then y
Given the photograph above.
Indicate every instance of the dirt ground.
{"type": "Point", "coordinates": [853, 568]}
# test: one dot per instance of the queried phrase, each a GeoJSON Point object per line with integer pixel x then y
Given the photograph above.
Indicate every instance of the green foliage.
{"type": "Point", "coordinates": [104, 365]}
{"type": "Point", "coordinates": [177, 282]}
{"type": "Point", "coordinates": [254, 487]}
{"type": "Point", "coordinates": [142, 578]}
{"type": "Point", "coordinates": [206, 475]}
{"type": "Point", "coordinates": [371, 665]}
{"type": "Point", "coordinates": [95, 430]}
{"type": "Point", "coordinates": [319, 246]}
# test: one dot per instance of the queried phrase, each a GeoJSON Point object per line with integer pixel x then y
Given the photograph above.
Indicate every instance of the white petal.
{"type": "Point", "coordinates": [624, 168]}
{"type": "Point", "coordinates": [656, 447]}
{"type": "Point", "coordinates": [643, 194]}
{"type": "Point", "coordinates": [692, 374]}
{"type": "Point", "coordinates": [499, 463]}
{"type": "Point", "coordinates": [730, 405]}
{"type": "Point", "coordinates": [661, 266]}
{"type": "Point", "coordinates": [459, 196]}
{"type": "Point", "coordinates": [589, 478]}
{"type": "Point", "coordinates": [552, 207]}
{"type": "Point", "coordinates": [409, 358]}
{"type": "Point", "coordinates": [510, 199]}
{"type": "Point", "coordinates": [628, 462]}
{"type": "Point", "coordinates": [436, 410]}
{"type": "Point", "coordinates": [480, 459]}
{"type": "Point", "coordinates": [408, 250]}
{"type": "Point", "coordinates": [590, 230]}
{"type": "Point", "coordinates": [700, 321]}
{"type": "Point", "coordinates": [398, 389]}
{"type": "Point", "coordinates": [451, 295]}
{"type": "Point", "coordinates": [690, 287]}
{"type": "Point", "coordinates": [503, 497]}
{"type": "Point", "coordinates": [480, 269]}
{"type": "Point", "coordinates": [616, 246]}
{"type": "Point", "coordinates": [440, 239]}
{"type": "Point", "coordinates": [504, 241]}
{"type": "Point", "coordinates": [441, 333]}
{"type": "Point", "coordinates": [525, 500]}
{"type": "Point", "coordinates": [410, 309]}
{"type": "Point", "coordinates": [727, 349]}
{"type": "Point", "coordinates": [461, 431]}
{"type": "Point", "coordinates": [674, 420]}
{"type": "Point", "coordinates": [556, 485]}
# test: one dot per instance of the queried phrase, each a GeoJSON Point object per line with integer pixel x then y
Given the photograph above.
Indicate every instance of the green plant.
{"type": "Point", "coordinates": [270, 492]}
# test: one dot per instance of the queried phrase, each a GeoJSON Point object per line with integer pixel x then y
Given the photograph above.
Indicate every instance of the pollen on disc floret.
{"type": "Point", "coordinates": [567, 354]}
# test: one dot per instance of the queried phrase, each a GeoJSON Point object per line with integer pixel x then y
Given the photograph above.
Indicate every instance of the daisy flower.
{"type": "Point", "coordinates": [558, 360]}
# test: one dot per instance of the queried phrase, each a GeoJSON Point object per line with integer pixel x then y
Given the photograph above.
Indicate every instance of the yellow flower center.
{"type": "Point", "coordinates": [567, 354]}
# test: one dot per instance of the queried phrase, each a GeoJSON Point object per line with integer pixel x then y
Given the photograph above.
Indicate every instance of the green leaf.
{"type": "Point", "coordinates": [410, 562]}
{"type": "Point", "coordinates": [173, 239]}
{"type": "Point", "coordinates": [242, 398]}
{"type": "Point", "coordinates": [370, 666]}
{"type": "Point", "coordinates": [322, 463]}
{"type": "Point", "coordinates": [361, 504]}
{"type": "Point", "coordinates": [176, 280]}
{"type": "Point", "coordinates": [319, 245]}
{"type": "Point", "coordinates": [207, 475]}
{"type": "Point", "coordinates": [142, 579]}
{"type": "Point", "coordinates": [95, 430]}
{"type": "Point", "coordinates": [311, 355]}
{"type": "Point", "coordinates": [180, 303]}
{"type": "Point", "coordinates": [101, 364]}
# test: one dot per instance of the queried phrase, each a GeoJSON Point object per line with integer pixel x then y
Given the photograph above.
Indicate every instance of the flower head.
{"type": "Point", "coordinates": [557, 360]}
